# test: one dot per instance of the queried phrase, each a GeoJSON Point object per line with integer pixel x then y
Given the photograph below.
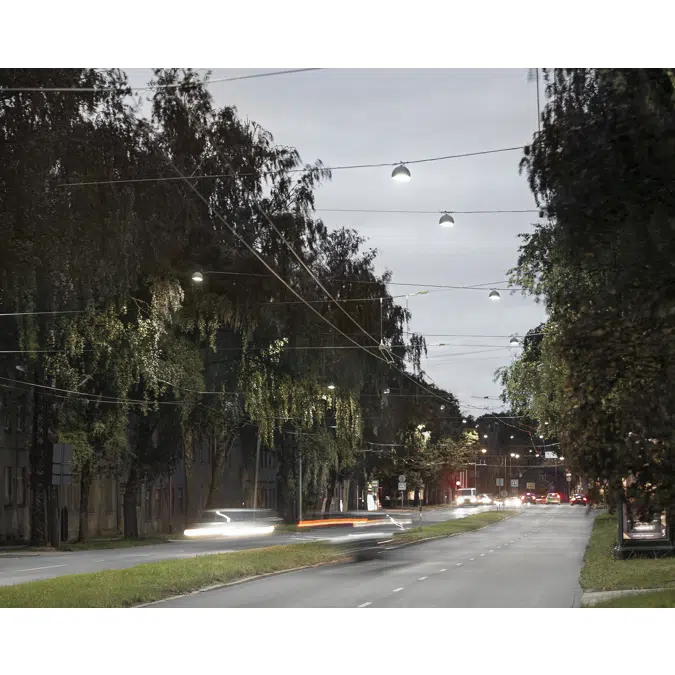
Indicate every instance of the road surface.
{"type": "Point", "coordinates": [532, 560]}
{"type": "Point", "coordinates": [17, 567]}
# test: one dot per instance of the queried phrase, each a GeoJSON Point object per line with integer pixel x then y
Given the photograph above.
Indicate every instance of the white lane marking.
{"type": "Point", "coordinates": [445, 569]}
{"type": "Point", "coordinates": [491, 550]}
{"type": "Point", "coordinates": [482, 555]}
{"type": "Point", "coordinates": [396, 590]}
{"type": "Point", "coordinates": [143, 555]}
{"type": "Point", "coordinates": [511, 541]}
{"type": "Point", "coordinates": [98, 561]}
{"type": "Point", "coordinates": [471, 559]}
{"type": "Point", "coordinates": [422, 578]}
{"type": "Point", "coordinates": [458, 565]}
{"type": "Point", "coordinates": [47, 567]}
{"type": "Point", "coordinates": [365, 604]}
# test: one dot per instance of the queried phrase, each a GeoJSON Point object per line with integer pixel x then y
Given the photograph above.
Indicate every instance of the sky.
{"type": "Point", "coordinates": [361, 116]}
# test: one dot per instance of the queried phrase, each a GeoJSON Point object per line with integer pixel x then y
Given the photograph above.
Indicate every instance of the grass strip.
{"type": "Point", "coordinates": [646, 600]}
{"type": "Point", "coordinates": [449, 528]}
{"type": "Point", "coordinates": [601, 572]}
{"type": "Point", "coordinates": [160, 580]}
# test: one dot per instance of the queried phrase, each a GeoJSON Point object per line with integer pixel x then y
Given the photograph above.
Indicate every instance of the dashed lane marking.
{"type": "Point", "coordinates": [365, 604]}
{"type": "Point", "coordinates": [396, 590]}
{"type": "Point", "coordinates": [458, 565]}
{"type": "Point", "coordinates": [445, 569]}
{"type": "Point", "coordinates": [422, 578]}
{"type": "Point", "coordinates": [471, 559]}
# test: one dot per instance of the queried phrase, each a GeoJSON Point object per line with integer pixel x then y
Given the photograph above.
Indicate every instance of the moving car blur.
{"type": "Point", "coordinates": [529, 498]}
{"type": "Point", "coordinates": [218, 523]}
{"type": "Point", "coordinates": [485, 500]}
{"type": "Point", "coordinates": [553, 498]}
{"type": "Point", "coordinates": [579, 500]}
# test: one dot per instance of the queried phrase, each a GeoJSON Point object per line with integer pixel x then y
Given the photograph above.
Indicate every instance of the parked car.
{"type": "Point", "coordinates": [579, 500]}
{"type": "Point", "coordinates": [553, 498]}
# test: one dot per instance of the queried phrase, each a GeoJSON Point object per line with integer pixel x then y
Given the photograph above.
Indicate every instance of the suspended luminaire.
{"type": "Point", "coordinates": [331, 387]}
{"type": "Point", "coordinates": [514, 342]}
{"type": "Point", "coordinates": [494, 295]}
{"type": "Point", "coordinates": [442, 407]}
{"type": "Point", "coordinates": [463, 421]}
{"type": "Point", "coordinates": [401, 174]}
{"type": "Point", "coordinates": [446, 220]}
{"type": "Point", "coordinates": [386, 391]}
{"type": "Point", "coordinates": [197, 277]}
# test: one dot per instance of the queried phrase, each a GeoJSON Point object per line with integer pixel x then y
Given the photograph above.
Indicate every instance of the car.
{"type": "Point", "coordinates": [529, 498]}
{"type": "Point", "coordinates": [541, 499]}
{"type": "Point", "coordinates": [512, 502]}
{"type": "Point", "coordinates": [485, 500]}
{"type": "Point", "coordinates": [553, 498]}
{"type": "Point", "coordinates": [579, 500]}
{"type": "Point", "coordinates": [467, 497]}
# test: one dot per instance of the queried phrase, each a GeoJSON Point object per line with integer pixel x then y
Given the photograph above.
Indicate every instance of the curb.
{"type": "Point", "coordinates": [245, 580]}
{"type": "Point", "coordinates": [592, 598]}
{"type": "Point", "coordinates": [335, 561]}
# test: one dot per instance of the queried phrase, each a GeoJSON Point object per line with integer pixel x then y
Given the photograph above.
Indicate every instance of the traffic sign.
{"type": "Point", "coordinates": [531, 486]}
{"type": "Point", "coordinates": [500, 482]}
{"type": "Point", "coordinates": [401, 478]}
{"type": "Point", "coordinates": [514, 482]}
{"type": "Point", "coordinates": [569, 478]}
{"type": "Point", "coordinates": [401, 485]}
{"type": "Point", "coordinates": [550, 455]}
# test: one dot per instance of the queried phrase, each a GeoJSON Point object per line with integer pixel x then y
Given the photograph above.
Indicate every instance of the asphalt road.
{"type": "Point", "coordinates": [532, 560]}
{"type": "Point", "coordinates": [17, 567]}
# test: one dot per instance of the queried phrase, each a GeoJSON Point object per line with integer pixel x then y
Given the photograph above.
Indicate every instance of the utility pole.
{"type": "Point", "coordinates": [299, 478]}
{"type": "Point", "coordinates": [255, 484]}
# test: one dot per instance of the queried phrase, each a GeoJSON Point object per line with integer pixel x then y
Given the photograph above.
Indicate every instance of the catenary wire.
{"type": "Point", "coordinates": [177, 85]}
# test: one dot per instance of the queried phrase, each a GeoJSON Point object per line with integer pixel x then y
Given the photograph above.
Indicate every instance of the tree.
{"type": "Point", "coordinates": [602, 261]}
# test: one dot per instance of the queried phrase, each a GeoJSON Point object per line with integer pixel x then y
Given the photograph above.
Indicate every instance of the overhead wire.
{"type": "Point", "coordinates": [233, 174]}
{"type": "Point", "coordinates": [176, 85]}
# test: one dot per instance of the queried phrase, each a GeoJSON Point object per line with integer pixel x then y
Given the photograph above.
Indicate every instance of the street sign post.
{"type": "Point", "coordinates": [401, 478]}
{"type": "Point", "coordinates": [401, 486]}
{"type": "Point", "coordinates": [500, 482]}
{"type": "Point", "coordinates": [531, 486]}
{"type": "Point", "coordinates": [514, 482]}
{"type": "Point", "coordinates": [550, 455]}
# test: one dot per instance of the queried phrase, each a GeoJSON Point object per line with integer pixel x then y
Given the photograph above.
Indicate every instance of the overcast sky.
{"type": "Point", "coordinates": [370, 116]}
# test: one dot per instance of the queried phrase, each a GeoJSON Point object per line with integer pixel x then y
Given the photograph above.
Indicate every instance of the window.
{"type": "Point", "coordinates": [9, 485]}
{"type": "Point", "coordinates": [21, 482]}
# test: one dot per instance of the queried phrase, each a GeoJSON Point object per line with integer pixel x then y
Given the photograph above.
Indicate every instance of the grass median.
{"type": "Point", "coordinates": [449, 528]}
{"type": "Point", "coordinates": [601, 572]}
{"type": "Point", "coordinates": [156, 581]}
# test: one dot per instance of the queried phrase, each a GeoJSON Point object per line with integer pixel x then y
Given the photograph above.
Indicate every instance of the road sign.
{"type": "Point", "coordinates": [531, 486]}
{"type": "Point", "coordinates": [569, 478]}
{"type": "Point", "coordinates": [500, 482]}
{"type": "Point", "coordinates": [514, 482]}
{"type": "Point", "coordinates": [401, 478]}
{"type": "Point", "coordinates": [401, 485]}
{"type": "Point", "coordinates": [550, 455]}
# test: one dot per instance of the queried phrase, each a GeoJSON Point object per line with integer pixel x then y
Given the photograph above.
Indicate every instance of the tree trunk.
{"type": "Point", "coordinates": [130, 515]}
{"type": "Point", "coordinates": [332, 484]}
{"type": "Point", "coordinates": [85, 486]}
{"type": "Point", "coordinates": [221, 452]}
